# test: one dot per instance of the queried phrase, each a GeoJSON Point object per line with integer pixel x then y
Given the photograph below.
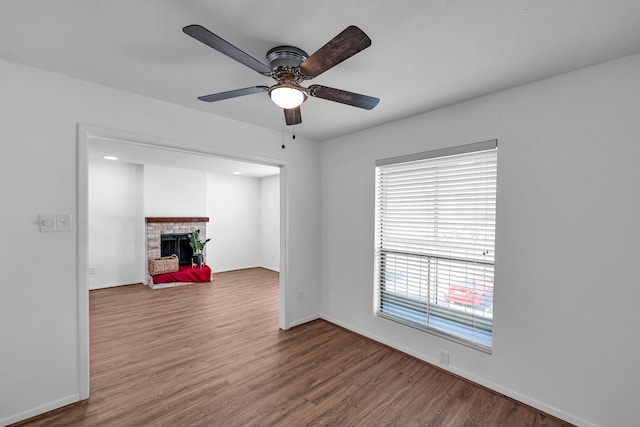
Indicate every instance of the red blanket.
{"type": "Point", "coordinates": [185, 274]}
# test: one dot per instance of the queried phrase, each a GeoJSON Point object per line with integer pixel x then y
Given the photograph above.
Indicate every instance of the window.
{"type": "Point", "coordinates": [435, 239]}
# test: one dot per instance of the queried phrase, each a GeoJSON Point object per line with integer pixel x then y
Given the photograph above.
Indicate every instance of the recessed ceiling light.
{"type": "Point", "coordinates": [237, 173]}
{"type": "Point", "coordinates": [110, 157]}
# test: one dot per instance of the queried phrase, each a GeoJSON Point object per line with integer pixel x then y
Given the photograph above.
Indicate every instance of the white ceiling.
{"type": "Point", "coordinates": [425, 53]}
{"type": "Point", "coordinates": [129, 152]}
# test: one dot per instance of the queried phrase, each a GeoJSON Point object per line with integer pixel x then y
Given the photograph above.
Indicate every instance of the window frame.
{"type": "Point", "coordinates": [480, 325]}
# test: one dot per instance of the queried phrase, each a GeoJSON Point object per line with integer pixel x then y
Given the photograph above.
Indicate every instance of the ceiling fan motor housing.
{"type": "Point", "coordinates": [284, 62]}
{"type": "Point", "coordinates": [285, 56]}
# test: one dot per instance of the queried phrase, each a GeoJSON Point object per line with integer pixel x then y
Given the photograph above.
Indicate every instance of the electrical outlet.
{"type": "Point", "coordinates": [92, 270]}
{"type": "Point", "coordinates": [301, 296]}
{"type": "Point", "coordinates": [444, 357]}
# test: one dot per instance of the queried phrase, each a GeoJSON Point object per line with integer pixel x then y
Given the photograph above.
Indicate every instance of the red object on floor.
{"type": "Point", "coordinates": [186, 273]}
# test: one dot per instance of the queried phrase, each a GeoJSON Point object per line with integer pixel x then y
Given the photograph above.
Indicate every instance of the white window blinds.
{"type": "Point", "coordinates": [435, 239]}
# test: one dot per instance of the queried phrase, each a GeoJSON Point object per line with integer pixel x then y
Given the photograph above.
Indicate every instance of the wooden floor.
{"type": "Point", "coordinates": [212, 355]}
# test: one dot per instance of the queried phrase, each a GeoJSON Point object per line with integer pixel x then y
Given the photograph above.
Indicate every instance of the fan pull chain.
{"type": "Point", "coordinates": [293, 136]}
{"type": "Point", "coordinates": [283, 146]}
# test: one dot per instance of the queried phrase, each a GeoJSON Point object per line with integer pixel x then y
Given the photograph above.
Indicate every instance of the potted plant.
{"type": "Point", "coordinates": [197, 246]}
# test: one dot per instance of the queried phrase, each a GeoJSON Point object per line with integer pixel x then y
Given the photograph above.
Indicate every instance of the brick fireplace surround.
{"type": "Point", "coordinates": [163, 225]}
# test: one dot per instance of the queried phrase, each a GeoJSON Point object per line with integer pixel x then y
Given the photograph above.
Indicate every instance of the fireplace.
{"type": "Point", "coordinates": [169, 235]}
{"type": "Point", "coordinates": [176, 243]}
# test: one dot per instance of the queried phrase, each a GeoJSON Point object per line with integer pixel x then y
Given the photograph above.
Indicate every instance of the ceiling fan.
{"type": "Point", "coordinates": [289, 66]}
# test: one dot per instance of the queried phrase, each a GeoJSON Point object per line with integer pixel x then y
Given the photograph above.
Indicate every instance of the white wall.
{"type": "Point", "coordinates": [270, 223]}
{"type": "Point", "coordinates": [233, 207]}
{"type": "Point", "coordinates": [174, 192]}
{"type": "Point", "coordinates": [116, 224]}
{"type": "Point", "coordinates": [39, 313]}
{"type": "Point", "coordinates": [566, 284]}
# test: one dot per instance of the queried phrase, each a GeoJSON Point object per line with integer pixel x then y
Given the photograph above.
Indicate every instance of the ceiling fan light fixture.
{"type": "Point", "coordinates": [287, 96]}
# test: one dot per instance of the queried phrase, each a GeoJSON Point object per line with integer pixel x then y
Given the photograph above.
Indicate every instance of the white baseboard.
{"type": "Point", "coordinates": [114, 285]}
{"type": "Point", "coordinates": [303, 321]}
{"type": "Point", "coordinates": [40, 410]}
{"type": "Point", "coordinates": [276, 269]}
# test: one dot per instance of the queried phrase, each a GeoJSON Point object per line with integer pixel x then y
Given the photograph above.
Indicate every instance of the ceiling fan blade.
{"type": "Point", "coordinates": [233, 93]}
{"type": "Point", "coordinates": [207, 37]}
{"type": "Point", "coordinates": [343, 46]}
{"type": "Point", "coordinates": [293, 116]}
{"type": "Point", "coordinates": [342, 96]}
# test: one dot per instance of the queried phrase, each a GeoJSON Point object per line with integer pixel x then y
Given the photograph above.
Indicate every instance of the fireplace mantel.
{"type": "Point", "coordinates": [175, 219]}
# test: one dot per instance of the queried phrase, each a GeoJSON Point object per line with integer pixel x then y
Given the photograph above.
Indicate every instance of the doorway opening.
{"type": "Point", "coordinates": [156, 153]}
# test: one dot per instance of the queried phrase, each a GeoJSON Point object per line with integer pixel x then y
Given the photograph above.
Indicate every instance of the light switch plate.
{"type": "Point", "coordinates": [63, 222]}
{"type": "Point", "coordinates": [47, 223]}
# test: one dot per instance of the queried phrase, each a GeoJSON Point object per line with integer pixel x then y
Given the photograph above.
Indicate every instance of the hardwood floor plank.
{"type": "Point", "coordinates": [212, 355]}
